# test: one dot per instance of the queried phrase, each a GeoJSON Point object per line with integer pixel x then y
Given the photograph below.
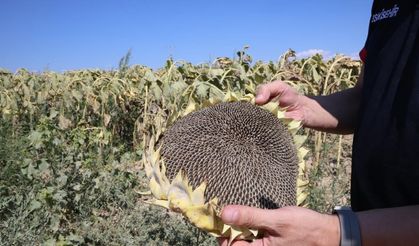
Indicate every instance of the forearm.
{"type": "Point", "coordinates": [391, 226]}
{"type": "Point", "coordinates": [335, 113]}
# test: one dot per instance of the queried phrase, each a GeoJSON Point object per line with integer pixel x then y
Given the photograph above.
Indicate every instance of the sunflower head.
{"type": "Point", "coordinates": [226, 153]}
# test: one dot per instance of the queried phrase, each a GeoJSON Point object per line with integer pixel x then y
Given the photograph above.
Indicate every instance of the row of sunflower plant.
{"type": "Point", "coordinates": [72, 143]}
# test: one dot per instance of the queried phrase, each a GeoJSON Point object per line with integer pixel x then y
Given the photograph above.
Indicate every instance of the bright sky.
{"type": "Point", "coordinates": [64, 35]}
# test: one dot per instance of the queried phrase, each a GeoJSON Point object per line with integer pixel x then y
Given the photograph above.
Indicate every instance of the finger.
{"type": "Point", "coordinates": [268, 91]}
{"type": "Point", "coordinates": [240, 243]}
{"type": "Point", "coordinates": [249, 217]}
{"type": "Point", "coordinates": [222, 241]}
{"type": "Point", "coordinates": [257, 242]}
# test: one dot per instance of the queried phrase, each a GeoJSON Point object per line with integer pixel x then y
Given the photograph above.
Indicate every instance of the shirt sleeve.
{"type": "Point", "coordinates": [363, 55]}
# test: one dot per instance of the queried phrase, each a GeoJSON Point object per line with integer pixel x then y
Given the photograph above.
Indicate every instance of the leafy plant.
{"type": "Point", "coordinates": [71, 145]}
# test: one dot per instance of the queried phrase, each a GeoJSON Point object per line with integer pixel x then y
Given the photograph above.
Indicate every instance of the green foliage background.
{"type": "Point", "coordinates": [71, 145]}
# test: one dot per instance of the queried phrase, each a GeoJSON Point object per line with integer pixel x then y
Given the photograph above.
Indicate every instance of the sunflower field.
{"type": "Point", "coordinates": [72, 145]}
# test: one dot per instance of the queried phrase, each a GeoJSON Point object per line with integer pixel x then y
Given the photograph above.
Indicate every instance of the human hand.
{"type": "Point", "coordinates": [288, 98]}
{"type": "Point", "coordinates": [283, 226]}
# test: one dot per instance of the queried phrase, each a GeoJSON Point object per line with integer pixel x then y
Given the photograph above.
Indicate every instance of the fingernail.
{"type": "Point", "coordinates": [259, 99]}
{"type": "Point", "coordinates": [230, 216]}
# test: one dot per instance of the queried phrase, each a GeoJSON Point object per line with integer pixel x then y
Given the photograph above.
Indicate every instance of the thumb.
{"type": "Point", "coordinates": [249, 217]}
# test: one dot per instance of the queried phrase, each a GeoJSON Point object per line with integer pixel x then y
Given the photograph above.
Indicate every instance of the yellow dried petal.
{"type": "Point", "coordinates": [225, 229]}
{"type": "Point", "coordinates": [204, 217]}
{"type": "Point", "coordinates": [254, 232]}
{"type": "Point", "coordinates": [234, 233]}
{"type": "Point", "coordinates": [301, 183]}
{"type": "Point", "coordinates": [190, 108]}
{"type": "Point", "coordinates": [299, 140]}
{"type": "Point", "coordinates": [294, 125]}
{"type": "Point", "coordinates": [301, 197]}
{"type": "Point", "coordinates": [198, 195]}
{"type": "Point", "coordinates": [210, 102]}
{"type": "Point", "coordinates": [248, 98]}
{"type": "Point", "coordinates": [180, 193]}
{"type": "Point", "coordinates": [271, 107]}
{"type": "Point", "coordinates": [302, 152]}
{"type": "Point", "coordinates": [158, 188]}
{"type": "Point", "coordinates": [162, 203]}
{"type": "Point", "coordinates": [230, 97]}
{"type": "Point", "coordinates": [143, 193]}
